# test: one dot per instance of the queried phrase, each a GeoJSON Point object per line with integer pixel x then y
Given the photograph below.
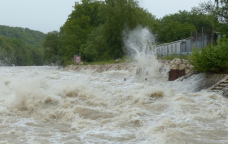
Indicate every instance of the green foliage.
{"type": "Point", "coordinates": [96, 48]}
{"type": "Point", "coordinates": [120, 60]}
{"type": "Point", "coordinates": [180, 25]}
{"type": "Point", "coordinates": [15, 51]}
{"type": "Point", "coordinates": [213, 59]}
{"type": "Point", "coordinates": [95, 29]}
{"type": "Point", "coordinates": [79, 25]}
{"type": "Point", "coordinates": [21, 46]}
{"type": "Point", "coordinates": [218, 15]}
{"type": "Point", "coordinates": [121, 14]}
{"type": "Point", "coordinates": [52, 47]}
{"type": "Point", "coordinates": [174, 31]}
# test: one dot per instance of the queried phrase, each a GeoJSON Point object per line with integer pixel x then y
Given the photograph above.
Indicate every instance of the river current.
{"type": "Point", "coordinates": [48, 105]}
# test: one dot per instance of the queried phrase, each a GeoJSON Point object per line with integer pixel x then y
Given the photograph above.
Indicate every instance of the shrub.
{"type": "Point", "coordinates": [213, 58]}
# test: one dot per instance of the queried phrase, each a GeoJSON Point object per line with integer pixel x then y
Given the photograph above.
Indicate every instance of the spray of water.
{"type": "Point", "coordinates": [140, 44]}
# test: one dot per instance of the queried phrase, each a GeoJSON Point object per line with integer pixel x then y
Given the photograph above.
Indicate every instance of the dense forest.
{"type": "Point", "coordinates": [21, 46]}
{"type": "Point", "coordinates": [94, 29]}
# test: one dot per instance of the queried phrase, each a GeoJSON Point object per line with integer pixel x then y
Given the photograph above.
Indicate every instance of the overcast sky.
{"type": "Point", "coordinates": [49, 15]}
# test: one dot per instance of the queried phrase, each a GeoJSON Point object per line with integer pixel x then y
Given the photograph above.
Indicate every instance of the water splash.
{"type": "Point", "coordinates": [140, 43]}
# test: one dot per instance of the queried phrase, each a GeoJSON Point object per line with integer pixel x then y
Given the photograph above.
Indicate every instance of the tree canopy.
{"type": "Point", "coordinates": [95, 29]}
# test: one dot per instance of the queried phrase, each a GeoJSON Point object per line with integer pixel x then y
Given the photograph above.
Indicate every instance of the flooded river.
{"type": "Point", "coordinates": [41, 105]}
{"type": "Point", "coordinates": [49, 105]}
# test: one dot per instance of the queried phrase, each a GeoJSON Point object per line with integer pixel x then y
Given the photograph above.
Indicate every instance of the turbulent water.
{"type": "Point", "coordinates": [49, 105]}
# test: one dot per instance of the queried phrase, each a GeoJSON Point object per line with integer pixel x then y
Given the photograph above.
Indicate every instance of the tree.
{"type": "Point", "coordinates": [180, 25]}
{"type": "Point", "coordinates": [174, 31]}
{"type": "Point", "coordinates": [120, 15]}
{"type": "Point", "coordinates": [95, 28]}
{"type": "Point", "coordinates": [218, 13]}
{"type": "Point", "coordinates": [52, 47]}
{"type": "Point", "coordinates": [78, 26]}
{"type": "Point", "coordinates": [96, 47]}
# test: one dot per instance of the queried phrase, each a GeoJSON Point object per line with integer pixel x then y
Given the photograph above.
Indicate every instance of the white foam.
{"type": "Point", "coordinates": [140, 43]}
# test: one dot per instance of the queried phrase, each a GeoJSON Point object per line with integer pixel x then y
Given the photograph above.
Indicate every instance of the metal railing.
{"type": "Point", "coordinates": [184, 46]}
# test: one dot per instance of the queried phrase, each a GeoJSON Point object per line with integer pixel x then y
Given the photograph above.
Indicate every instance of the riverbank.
{"type": "Point", "coordinates": [205, 81]}
{"type": "Point", "coordinates": [175, 64]}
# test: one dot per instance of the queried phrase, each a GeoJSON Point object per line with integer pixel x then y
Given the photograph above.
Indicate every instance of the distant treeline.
{"type": "Point", "coordinates": [21, 46]}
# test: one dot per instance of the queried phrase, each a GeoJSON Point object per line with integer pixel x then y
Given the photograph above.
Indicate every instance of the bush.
{"type": "Point", "coordinates": [212, 59]}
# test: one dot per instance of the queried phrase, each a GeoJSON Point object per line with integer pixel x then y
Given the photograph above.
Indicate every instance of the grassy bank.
{"type": "Point", "coordinates": [173, 56]}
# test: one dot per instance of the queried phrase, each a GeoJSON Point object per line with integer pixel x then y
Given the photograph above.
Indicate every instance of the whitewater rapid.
{"type": "Point", "coordinates": [50, 105]}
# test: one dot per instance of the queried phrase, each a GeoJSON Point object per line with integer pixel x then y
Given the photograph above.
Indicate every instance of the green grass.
{"type": "Point", "coordinates": [121, 60]}
{"type": "Point", "coordinates": [128, 58]}
{"type": "Point", "coordinates": [173, 56]}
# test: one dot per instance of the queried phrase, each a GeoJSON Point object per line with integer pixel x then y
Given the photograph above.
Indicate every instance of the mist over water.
{"type": "Point", "coordinates": [49, 105]}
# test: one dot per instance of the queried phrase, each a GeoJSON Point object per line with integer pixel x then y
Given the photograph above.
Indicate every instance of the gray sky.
{"type": "Point", "coordinates": [49, 15]}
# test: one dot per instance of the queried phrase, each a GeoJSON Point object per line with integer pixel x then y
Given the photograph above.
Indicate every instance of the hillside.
{"type": "Point", "coordinates": [29, 37]}
{"type": "Point", "coordinates": [21, 46]}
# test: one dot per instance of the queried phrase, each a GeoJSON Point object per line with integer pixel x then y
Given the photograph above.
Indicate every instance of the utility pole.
{"type": "Point", "coordinates": [196, 40]}
{"type": "Point", "coordinates": [212, 35]}
{"type": "Point", "coordinates": [191, 42]}
{"type": "Point", "coordinates": [202, 38]}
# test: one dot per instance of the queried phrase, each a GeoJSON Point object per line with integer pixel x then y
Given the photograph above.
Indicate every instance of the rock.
{"type": "Point", "coordinates": [117, 60]}
{"type": "Point", "coordinates": [185, 61]}
{"type": "Point", "coordinates": [167, 65]}
{"type": "Point", "coordinates": [174, 67]}
{"type": "Point", "coordinates": [172, 62]}
{"type": "Point", "coordinates": [191, 67]}
{"type": "Point", "coordinates": [182, 66]}
{"type": "Point", "coordinates": [188, 65]}
{"type": "Point", "coordinates": [187, 71]}
{"type": "Point", "coordinates": [178, 61]}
